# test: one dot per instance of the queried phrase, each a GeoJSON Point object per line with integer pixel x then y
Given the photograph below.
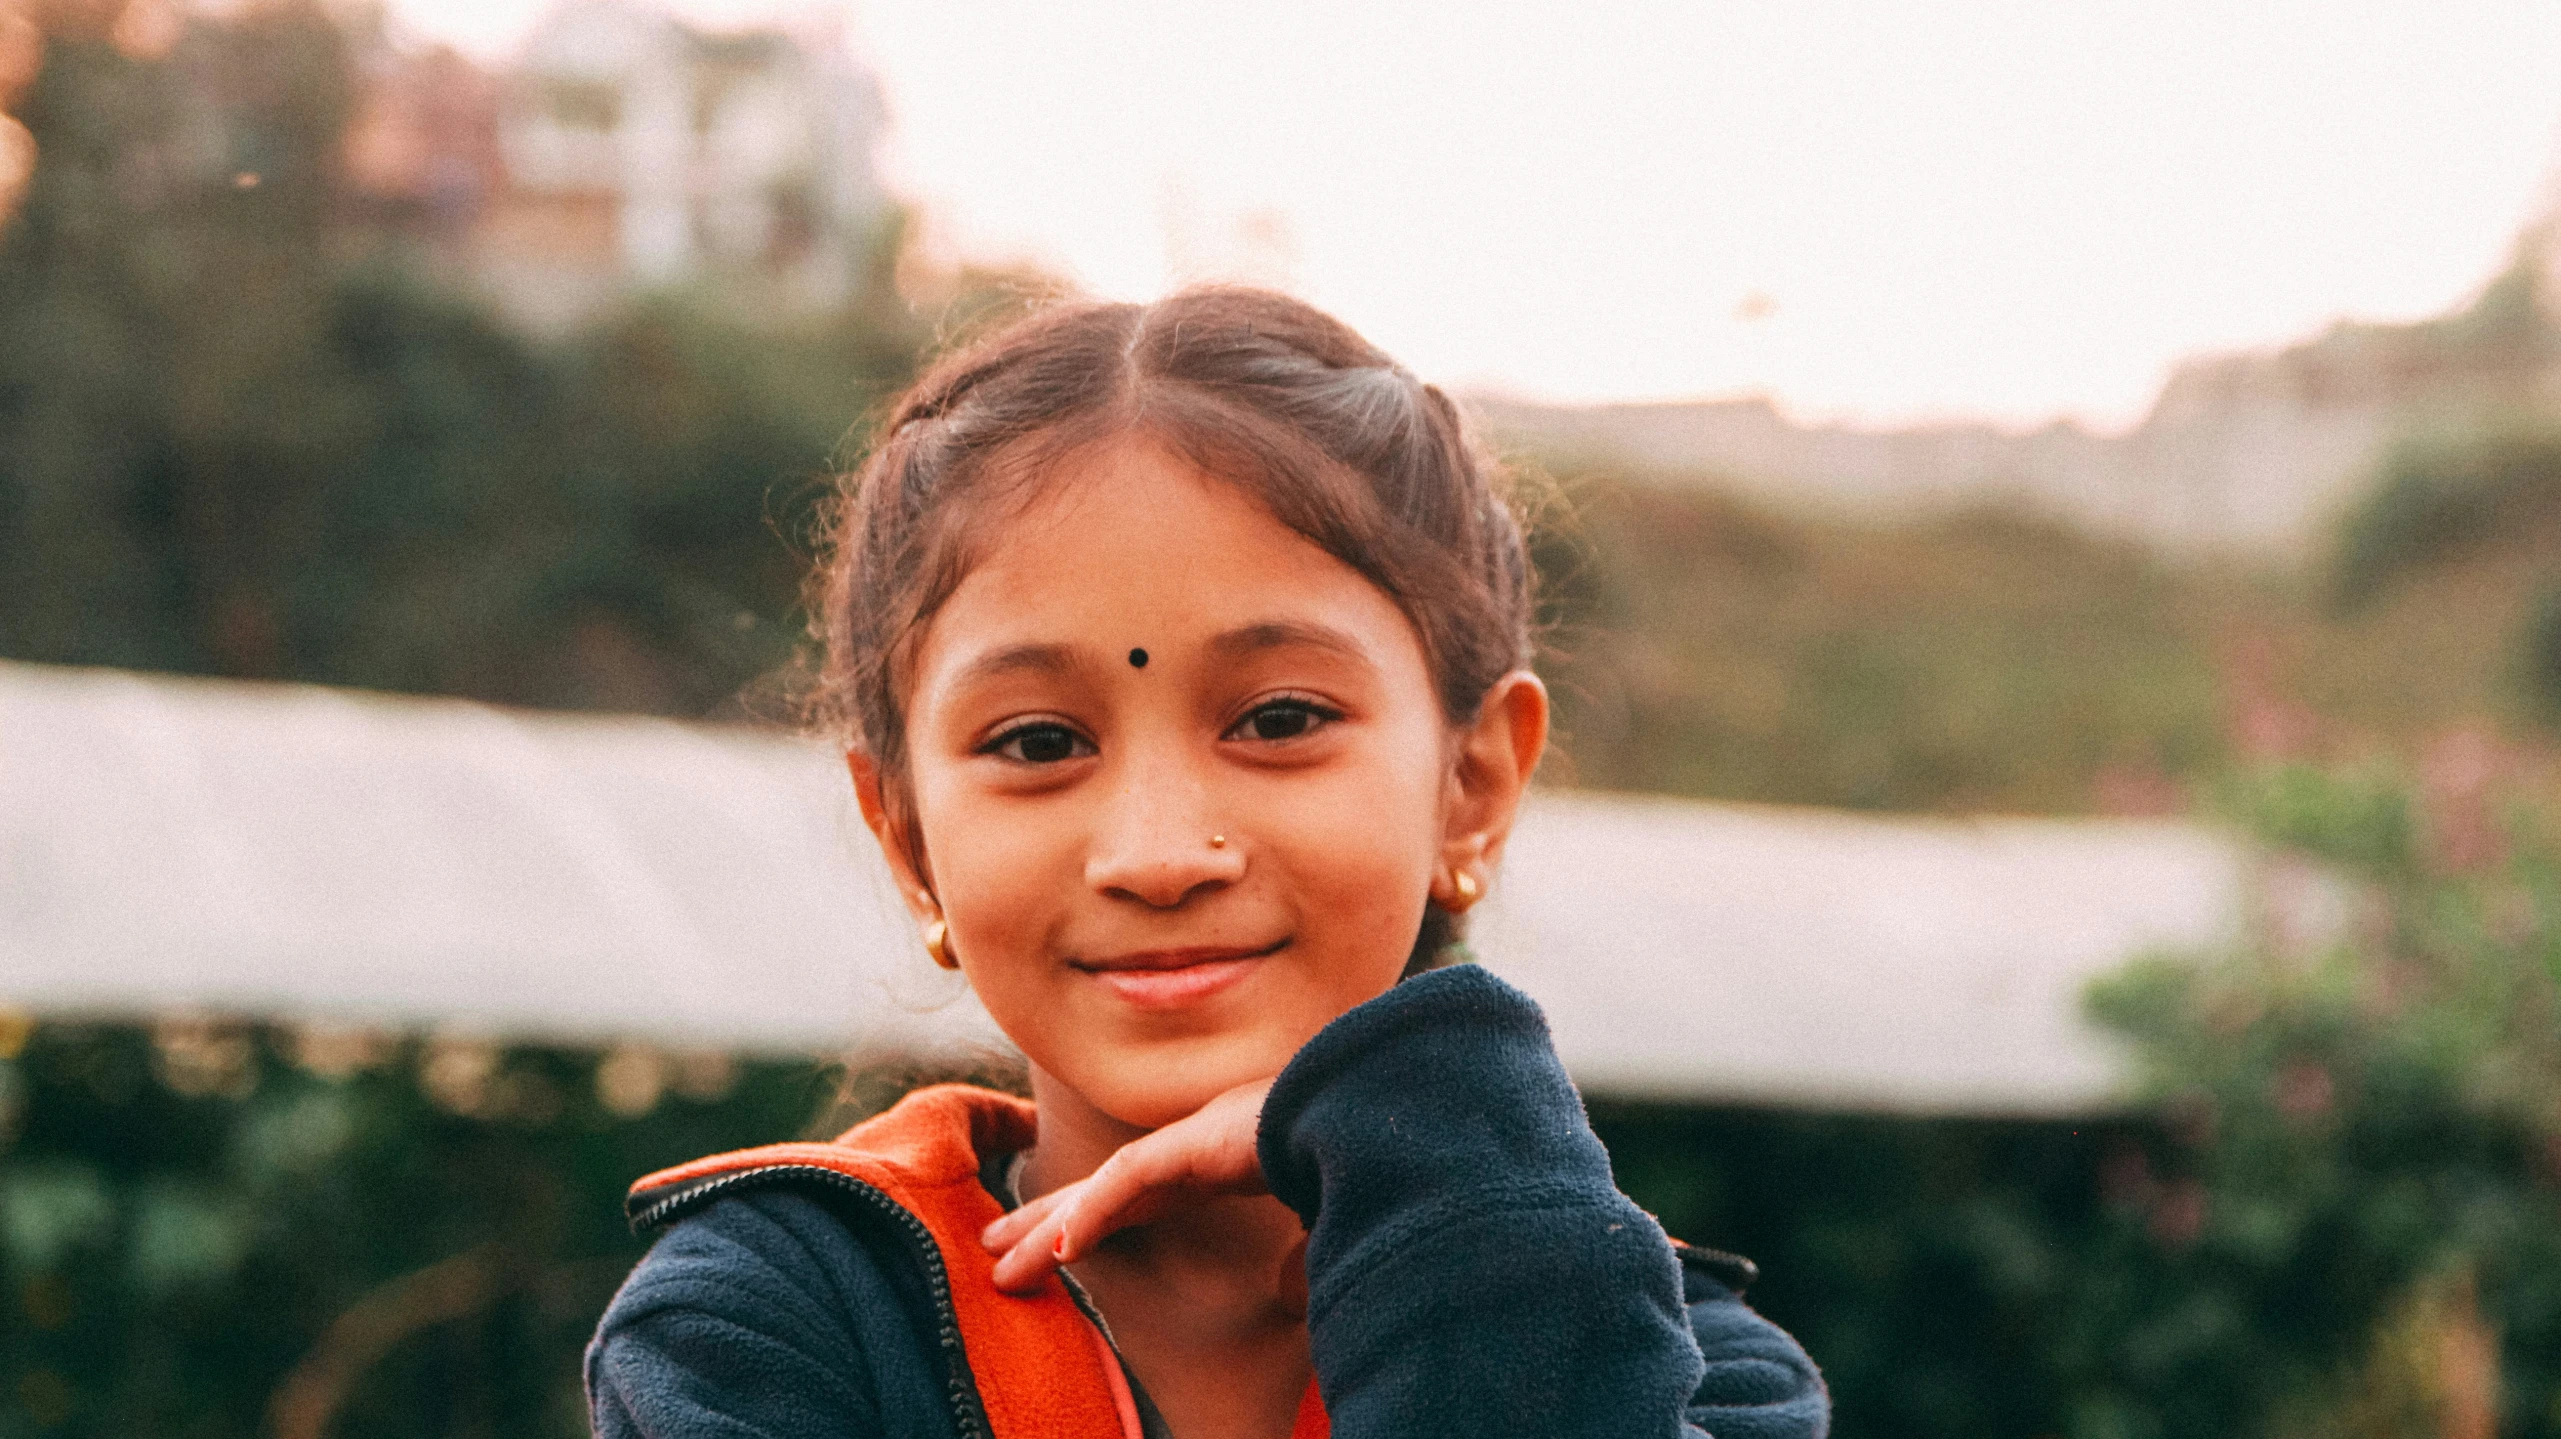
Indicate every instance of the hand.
{"type": "Point", "coordinates": [1206, 1153]}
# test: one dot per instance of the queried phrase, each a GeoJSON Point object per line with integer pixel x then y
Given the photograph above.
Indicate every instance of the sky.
{"type": "Point", "coordinates": [1874, 213]}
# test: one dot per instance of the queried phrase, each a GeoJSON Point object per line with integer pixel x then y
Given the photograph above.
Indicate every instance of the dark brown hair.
{"type": "Point", "coordinates": [1340, 443]}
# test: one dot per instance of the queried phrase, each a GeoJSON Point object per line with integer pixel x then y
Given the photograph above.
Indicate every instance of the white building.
{"type": "Point", "coordinates": [637, 150]}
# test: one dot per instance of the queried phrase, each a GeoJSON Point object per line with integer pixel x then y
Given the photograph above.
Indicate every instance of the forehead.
{"type": "Point", "coordinates": [1127, 544]}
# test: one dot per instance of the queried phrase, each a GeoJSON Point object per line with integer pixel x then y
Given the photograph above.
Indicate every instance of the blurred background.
{"type": "Point", "coordinates": [2051, 546]}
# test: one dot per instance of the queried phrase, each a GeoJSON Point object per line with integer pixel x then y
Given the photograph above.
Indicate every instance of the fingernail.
{"type": "Point", "coordinates": [1058, 1250]}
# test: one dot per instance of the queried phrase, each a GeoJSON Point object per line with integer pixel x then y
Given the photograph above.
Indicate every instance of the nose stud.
{"type": "Point", "coordinates": [1218, 841]}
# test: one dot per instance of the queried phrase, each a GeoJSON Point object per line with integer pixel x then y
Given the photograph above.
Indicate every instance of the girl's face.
{"type": "Point", "coordinates": [1184, 784]}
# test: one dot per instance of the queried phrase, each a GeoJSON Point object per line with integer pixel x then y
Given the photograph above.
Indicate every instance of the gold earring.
{"type": "Point", "coordinates": [1469, 891]}
{"type": "Point", "coordinates": [938, 943]}
{"type": "Point", "coordinates": [1218, 841]}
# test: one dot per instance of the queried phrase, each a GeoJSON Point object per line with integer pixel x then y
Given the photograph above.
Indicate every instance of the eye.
{"type": "Point", "coordinates": [1040, 744]}
{"type": "Point", "coordinates": [1282, 719]}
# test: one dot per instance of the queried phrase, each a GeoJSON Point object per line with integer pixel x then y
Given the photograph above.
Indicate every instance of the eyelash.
{"type": "Point", "coordinates": [1318, 716]}
{"type": "Point", "coordinates": [1015, 736]}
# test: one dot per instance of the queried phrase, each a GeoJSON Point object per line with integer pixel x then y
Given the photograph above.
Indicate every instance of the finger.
{"type": "Point", "coordinates": [1139, 1182]}
{"type": "Point", "coordinates": [1010, 1228]}
{"type": "Point", "coordinates": [1007, 1230]}
{"type": "Point", "coordinates": [1027, 1264]}
{"type": "Point", "coordinates": [1210, 1151]}
{"type": "Point", "coordinates": [1132, 1186]}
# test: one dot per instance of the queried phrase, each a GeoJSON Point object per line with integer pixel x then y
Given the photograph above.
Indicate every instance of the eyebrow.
{"type": "Point", "coordinates": [1245, 640]}
{"type": "Point", "coordinates": [1044, 659]}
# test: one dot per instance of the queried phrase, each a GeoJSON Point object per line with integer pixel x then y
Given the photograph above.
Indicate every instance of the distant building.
{"type": "Point", "coordinates": [625, 149]}
{"type": "Point", "coordinates": [421, 149]}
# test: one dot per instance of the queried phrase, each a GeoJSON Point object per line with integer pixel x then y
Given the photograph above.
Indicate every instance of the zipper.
{"type": "Point", "coordinates": [1731, 1270]}
{"type": "Point", "coordinates": [1145, 1406]}
{"type": "Point", "coordinates": [967, 1407]}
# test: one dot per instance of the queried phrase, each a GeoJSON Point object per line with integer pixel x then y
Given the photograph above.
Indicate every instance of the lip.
{"type": "Point", "coordinates": [1175, 978]}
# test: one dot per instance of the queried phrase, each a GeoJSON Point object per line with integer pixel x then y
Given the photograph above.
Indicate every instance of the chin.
{"type": "Point", "coordinates": [1161, 1083]}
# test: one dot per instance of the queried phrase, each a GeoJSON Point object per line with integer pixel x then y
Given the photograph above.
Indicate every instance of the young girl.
{"type": "Point", "coordinates": [1181, 652]}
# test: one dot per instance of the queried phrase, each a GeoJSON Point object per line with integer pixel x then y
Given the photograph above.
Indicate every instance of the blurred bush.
{"type": "Point", "coordinates": [212, 1229]}
{"type": "Point", "coordinates": [2475, 510]}
{"type": "Point", "coordinates": [2441, 495]}
{"type": "Point", "coordinates": [1956, 1278]}
{"type": "Point", "coordinates": [2337, 1213]}
{"type": "Point", "coordinates": [1701, 645]}
{"type": "Point", "coordinates": [2368, 1104]}
{"type": "Point", "coordinates": [249, 433]}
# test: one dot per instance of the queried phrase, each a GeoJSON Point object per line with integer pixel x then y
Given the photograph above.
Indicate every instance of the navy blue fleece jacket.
{"type": "Point", "coordinates": [1472, 1270]}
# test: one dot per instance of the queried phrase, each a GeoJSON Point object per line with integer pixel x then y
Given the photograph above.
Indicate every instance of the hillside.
{"type": "Point", "coordinates": [1980, 661]}
{"type": "Point", "coordinates": [2240, 453]}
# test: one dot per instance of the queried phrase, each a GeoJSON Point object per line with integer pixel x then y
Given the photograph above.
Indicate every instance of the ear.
{"type": "Point", "coordinates": [888, 827]}
{"type": "Point", "coordinates": [1496, 754]}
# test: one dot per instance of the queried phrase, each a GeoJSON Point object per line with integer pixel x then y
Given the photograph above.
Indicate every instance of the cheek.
{"type": "Point", "coordinates": [1364, 907]}
{"type": "Point", "coordinates": [1358, 852]}
{"type": "Point", "coordinates": [1006, 876]}
{"type": "Point", "coordinates": [997, 868]}
{"type": "Point", "coordinates": [1354, 837]}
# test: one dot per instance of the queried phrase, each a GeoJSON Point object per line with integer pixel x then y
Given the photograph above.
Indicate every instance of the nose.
{"type": "Point", "coordinates": [1151, 843]}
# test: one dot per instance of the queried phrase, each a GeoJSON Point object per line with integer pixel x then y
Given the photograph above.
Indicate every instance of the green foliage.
{"type": "Point", "coordinates": [2341, 1215]}
{"type": "Point", "coordinates": [212, 1230]}
{"type": "Point", "coordinates": [1953, 1277]}
{"type": "Point", "coordinates": [2539, 657]}
{"type": "Point", "coordinates": [244, 435]}
{"type": "Point", "coordinates": [2440, 496]}
{"type": "Point", "coordinates": [1700, 646]}
{"type": "Point", "coordinates": [2363, 818]}
{"type": "Point", "coordinates": [2370, 1094]}
{"type": "Point", "coordinates": [203, 1226]}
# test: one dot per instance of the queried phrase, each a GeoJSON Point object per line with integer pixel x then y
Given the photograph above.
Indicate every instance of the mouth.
{"type": "Point", "coordinates": [1173, 978]}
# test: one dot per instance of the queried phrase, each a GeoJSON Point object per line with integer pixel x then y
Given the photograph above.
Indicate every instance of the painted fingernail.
{"type": "Point", "coordinates": [1058, 1251]}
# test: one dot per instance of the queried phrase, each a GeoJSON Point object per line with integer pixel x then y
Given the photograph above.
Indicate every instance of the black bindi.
{"type": "Point", "coordinates": [1138, 659]}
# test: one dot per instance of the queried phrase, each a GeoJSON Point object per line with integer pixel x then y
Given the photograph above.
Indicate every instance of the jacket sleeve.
{"type": "Point", "coordinates": [1472, 1268]}
{"type": "Point", "coordinates": [1759, 1383]}
{"type": "Point", "coordinates": [759, 1318]}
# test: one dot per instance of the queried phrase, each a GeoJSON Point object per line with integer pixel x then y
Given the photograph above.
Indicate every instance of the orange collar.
{"type": "Point", "coordinates": [1028, 1366]}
